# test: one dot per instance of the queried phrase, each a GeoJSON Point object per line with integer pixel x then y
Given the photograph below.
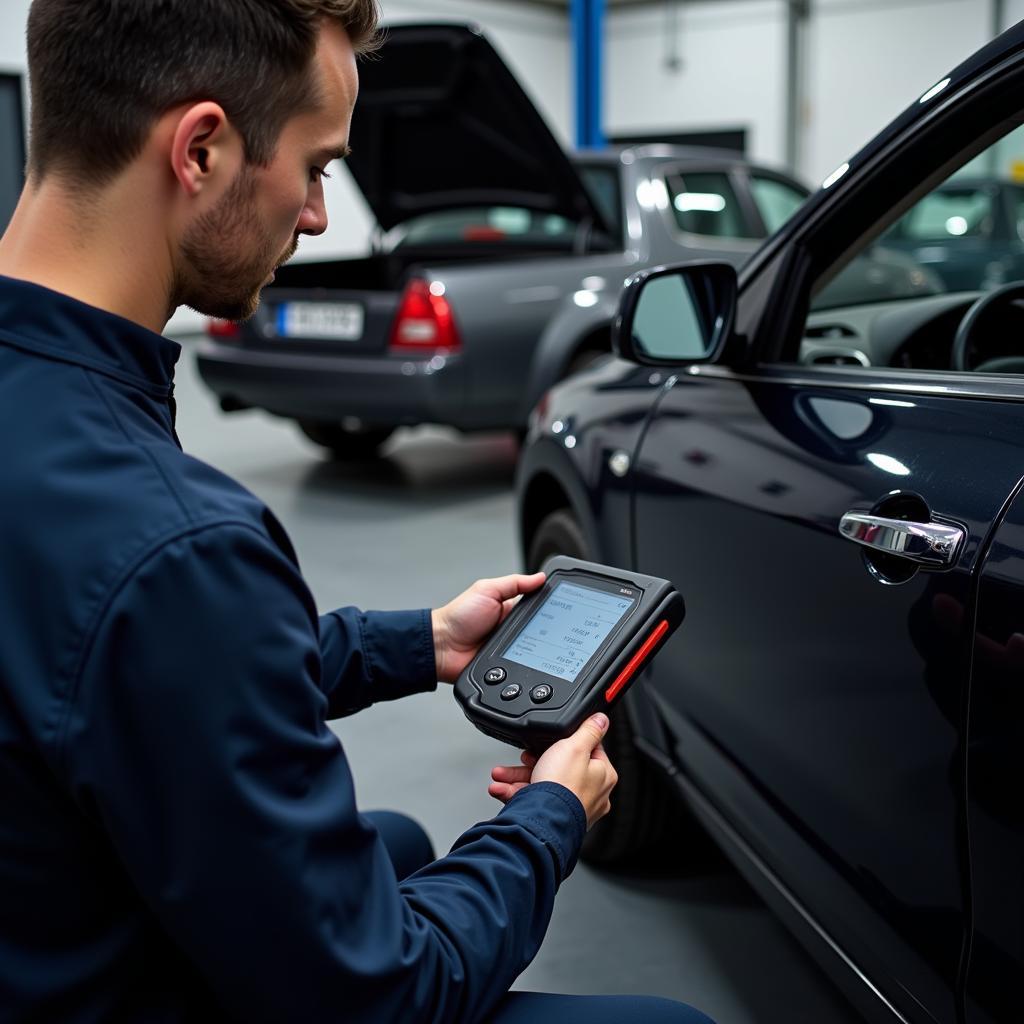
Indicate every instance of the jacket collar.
{"type": "Point", "coordinates": [40, 320]}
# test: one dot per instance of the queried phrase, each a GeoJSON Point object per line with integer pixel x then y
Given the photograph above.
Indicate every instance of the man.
{"type": "Point", "coordinates": [178, 837]}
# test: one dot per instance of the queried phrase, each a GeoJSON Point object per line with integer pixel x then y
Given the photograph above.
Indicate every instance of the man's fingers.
{"type": "Point", "coordinates": [503, 791]}
{"type": "Point", "coordinates": [598, 754]}
{"type": "Point", "coordinates": [530, 760]}
{"type": "Point", "coordinates": [592, 731]}
{"type": "Point", "coordinates": [507, 773]}
{"type": "Point", "coordinates": [504, 588]}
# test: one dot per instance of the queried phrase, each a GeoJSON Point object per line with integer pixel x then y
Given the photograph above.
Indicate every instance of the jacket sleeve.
{"type": "Point", "coordinates": [196, 738]}
{"type": "Point", "coordinates": [368, 657]}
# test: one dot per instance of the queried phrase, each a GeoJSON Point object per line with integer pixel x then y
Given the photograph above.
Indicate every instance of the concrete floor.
{"type": "Point", "coordinates": [412, 531]}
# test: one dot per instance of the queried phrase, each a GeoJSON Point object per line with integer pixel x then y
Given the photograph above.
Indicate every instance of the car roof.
{"type": "Point", "coordinates": [660, 152]}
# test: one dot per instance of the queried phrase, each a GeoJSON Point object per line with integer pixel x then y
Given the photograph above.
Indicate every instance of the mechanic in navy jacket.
{"type": "Point", "coordinates": [179, 838]}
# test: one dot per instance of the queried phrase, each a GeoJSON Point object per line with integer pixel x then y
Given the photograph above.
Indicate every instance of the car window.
{"type": "Point", "coordinates": [492, 224]}
{"type": "Point", "coordinates": [1017, 212]}
{"type": "Point", "coordinates": [953, 211]}
{"type": "Point", "coordinates": [776, 200]}
{"type": "Point", "coordinates": [900, 297]}
{"type": "Point", "coordinates": [12, 154]}
{"type": "Point", "coordinates": [604, 185]}
{"type": "Point", "coordinates": [705, 203]}
{"type": "Point", "coordinates": [515, 225]}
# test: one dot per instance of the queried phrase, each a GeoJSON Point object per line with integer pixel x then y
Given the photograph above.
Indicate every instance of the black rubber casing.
{"type": "Point", "coordinates": [535, 726]}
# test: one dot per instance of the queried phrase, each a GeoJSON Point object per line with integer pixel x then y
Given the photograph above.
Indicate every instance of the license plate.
{"type": "Point", "coordinates": [338, 321]}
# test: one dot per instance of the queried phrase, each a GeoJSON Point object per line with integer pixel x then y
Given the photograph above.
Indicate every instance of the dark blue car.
{"type": "Point", "coordinates": [833, 477]}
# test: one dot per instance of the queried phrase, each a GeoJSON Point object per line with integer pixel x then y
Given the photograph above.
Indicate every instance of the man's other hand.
{"type": "Point", "coordinates": [462, 625]}
{"type": "Point", "coordinates": [578, 762]}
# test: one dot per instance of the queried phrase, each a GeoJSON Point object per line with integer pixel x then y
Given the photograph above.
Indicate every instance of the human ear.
{"type": "Point", "coordinates": [203, 147]}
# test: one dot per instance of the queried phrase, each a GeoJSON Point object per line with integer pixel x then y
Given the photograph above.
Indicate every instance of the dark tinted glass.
{"type": "Point", "coordinates": [603, 184]}
{"type": "Point", "coordinates": [776, 200]}
{"type": "Point", "coordinates": [12, 146]}
{"type": "Point", "coordinates": [950, 212]}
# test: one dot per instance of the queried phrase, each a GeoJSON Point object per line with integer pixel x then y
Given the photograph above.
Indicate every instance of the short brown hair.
{"type": "Point", "coordinates": [102, 71]}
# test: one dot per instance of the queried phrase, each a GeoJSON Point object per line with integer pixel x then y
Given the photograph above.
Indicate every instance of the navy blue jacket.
{"type": "Point", "coordinates": [179, 838]}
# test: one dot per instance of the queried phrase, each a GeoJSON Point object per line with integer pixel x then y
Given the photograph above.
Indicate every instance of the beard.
{"type": "Point", "coordinates": [227, 257]}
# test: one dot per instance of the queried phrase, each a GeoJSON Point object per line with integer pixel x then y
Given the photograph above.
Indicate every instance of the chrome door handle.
{"type": "Point", "coordinates": [929, 545]}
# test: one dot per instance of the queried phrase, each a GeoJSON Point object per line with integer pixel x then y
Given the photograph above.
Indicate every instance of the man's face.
{"type": "Point", "coordinates": [230, 253]}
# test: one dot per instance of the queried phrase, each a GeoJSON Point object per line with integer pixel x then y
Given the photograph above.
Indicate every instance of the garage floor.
{"type": "Point", "coordinates": [413, 531]}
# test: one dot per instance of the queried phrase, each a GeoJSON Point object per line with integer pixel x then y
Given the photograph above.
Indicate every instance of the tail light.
{"type": "Point", "coordinates": [424, 322]}
{"type": "Point", "coordinates": [223, 330]}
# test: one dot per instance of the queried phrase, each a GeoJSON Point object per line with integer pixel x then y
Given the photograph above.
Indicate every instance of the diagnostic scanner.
{"type": "Point", "coordinates": [567, 651]}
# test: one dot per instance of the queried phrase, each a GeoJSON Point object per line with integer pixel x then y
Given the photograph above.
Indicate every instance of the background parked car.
{"type": "Point", "coordinates": [969, 231]}
{"type": "Point", "coordinates": [499, 259]}
{"type": "Point", "coordinates": [843, 708]}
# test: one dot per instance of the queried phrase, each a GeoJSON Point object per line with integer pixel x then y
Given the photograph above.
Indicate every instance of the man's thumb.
{"type": "Point", "coordinates": [592, 731]}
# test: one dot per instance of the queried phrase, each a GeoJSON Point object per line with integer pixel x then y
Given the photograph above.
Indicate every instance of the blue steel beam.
{"type": "Point", "coordinates": [588, 43]}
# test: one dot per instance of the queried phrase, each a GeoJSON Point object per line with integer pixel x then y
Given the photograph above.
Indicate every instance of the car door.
{"type": "Point", "coordinates": [818, 701]}
{"type": "Point", "coordinates": [995, 809]}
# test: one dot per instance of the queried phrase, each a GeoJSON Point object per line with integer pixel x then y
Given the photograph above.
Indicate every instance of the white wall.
{"type": "Point", "coordinates": [732, 72]}
{"type": "Point", "coordinates": [13, 15]}
{"type": "Point", "coordinates": [870, 59]}
{"type": "Point", "coordinates": [866, 60]}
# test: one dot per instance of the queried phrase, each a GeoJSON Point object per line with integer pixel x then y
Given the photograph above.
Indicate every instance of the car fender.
{"type": "Point", "coordinates": [584, 435]}
{"type": "Point", "coordinates": [548, 478]}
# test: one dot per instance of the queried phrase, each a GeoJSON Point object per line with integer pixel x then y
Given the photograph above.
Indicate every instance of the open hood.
{"type": "Point", "coordinates": [441, 123]}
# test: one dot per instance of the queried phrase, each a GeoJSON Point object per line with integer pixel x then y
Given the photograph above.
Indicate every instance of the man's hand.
{"type": "Point", "coordinates": [462, 625]}
{"type": "Point", "coordinates": [578, 762]}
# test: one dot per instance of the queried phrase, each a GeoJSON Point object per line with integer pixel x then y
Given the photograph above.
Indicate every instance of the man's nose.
{"type": "Point", "coordinates": [313, 219]}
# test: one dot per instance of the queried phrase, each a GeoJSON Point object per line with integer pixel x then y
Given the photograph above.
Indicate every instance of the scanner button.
{"type": "Point", "coordinates": [541, 693]}
{"type": "Point", "coordinates": [494, 675]}
{"type": "Point", "coordinates": [511, 691]}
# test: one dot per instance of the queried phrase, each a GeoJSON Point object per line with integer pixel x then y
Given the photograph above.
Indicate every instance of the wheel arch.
{"type": "Point", "coordinates": [549, 481]}
{"type": "Point", "coordinates": [597, 340]}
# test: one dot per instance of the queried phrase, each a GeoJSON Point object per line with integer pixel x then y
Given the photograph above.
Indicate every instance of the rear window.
{"type": "Point", "coordinates": [515, 225]}
{"type": "Point", "coordinates": [487, 224]}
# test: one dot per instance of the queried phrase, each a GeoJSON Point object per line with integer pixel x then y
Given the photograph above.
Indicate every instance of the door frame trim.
{"type": "Point", "coordinates": [936, 385]}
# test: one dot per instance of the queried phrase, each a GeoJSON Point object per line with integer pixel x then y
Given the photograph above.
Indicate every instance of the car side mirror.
{"type": "Point", "coordinates": [673, 315]}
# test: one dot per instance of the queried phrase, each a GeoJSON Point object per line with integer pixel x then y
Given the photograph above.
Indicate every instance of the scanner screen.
{"type": "Point", "coordinates": [567, 629]}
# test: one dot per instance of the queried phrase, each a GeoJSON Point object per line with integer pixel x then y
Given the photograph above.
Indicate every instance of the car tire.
{"type": "Point", "coordinates": [644, 813]}
{"type": "Point", "coordinates": [345, 445]}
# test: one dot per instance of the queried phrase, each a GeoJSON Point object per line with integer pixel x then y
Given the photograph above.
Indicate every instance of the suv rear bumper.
{"type": "Point", "coordinates": [382, 391]}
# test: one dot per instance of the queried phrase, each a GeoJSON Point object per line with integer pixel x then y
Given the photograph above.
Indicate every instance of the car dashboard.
{"type": "Point", "coordinates": [915, 334]}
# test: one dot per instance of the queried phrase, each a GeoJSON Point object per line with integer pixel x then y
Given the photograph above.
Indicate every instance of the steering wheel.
{"type": "Point", "coordinates": [973, 316]}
